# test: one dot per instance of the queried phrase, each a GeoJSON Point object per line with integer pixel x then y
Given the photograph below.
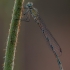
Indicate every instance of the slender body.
{"type": "Point", "coordinates": [49, 37]}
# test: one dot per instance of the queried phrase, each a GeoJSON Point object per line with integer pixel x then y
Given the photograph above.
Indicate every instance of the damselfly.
{"type": "Point", "coordinates": [49, 37]}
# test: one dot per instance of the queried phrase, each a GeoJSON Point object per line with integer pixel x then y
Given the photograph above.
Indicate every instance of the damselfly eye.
{"type": "Point", "coordinates": [29, 6]}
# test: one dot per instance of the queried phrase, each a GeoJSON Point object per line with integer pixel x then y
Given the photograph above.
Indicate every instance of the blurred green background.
{"type": "Point", "coordinates": [33, 53]}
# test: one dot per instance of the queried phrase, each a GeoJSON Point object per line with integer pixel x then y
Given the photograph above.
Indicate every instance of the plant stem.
{"type": "Point", "coordinates": [12, 36]}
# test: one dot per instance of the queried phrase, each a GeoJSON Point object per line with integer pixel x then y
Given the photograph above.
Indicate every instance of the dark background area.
{"type": "Point", "coordinates": [33, 52]}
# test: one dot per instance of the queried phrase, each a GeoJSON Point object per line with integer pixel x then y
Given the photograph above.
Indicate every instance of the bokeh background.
{"type": "Point", "coordinates": [33, 52]}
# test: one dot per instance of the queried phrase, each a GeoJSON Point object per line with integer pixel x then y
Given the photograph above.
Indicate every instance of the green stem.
{"type": "Point", "coordinates": [12, 36]}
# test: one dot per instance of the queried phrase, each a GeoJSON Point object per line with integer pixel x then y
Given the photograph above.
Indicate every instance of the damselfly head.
{"type": "Point", "coordinates": [29, 5]}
